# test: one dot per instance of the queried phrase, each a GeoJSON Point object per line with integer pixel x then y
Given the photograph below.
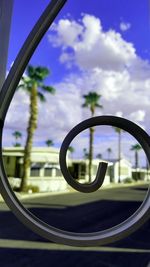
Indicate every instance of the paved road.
{"type": "Point", "coordinates": [80, 213]}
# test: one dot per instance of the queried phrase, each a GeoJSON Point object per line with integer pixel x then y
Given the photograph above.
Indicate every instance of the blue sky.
{"type": "Point", "coordinates": [106, 49]}
{"type": "Point", "coordinates": [111, 13]}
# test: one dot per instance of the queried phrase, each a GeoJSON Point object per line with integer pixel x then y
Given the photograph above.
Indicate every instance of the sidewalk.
{"type": "Point", "coordinates": [34, 195]}
{"type": "Point", "coordinates": [71, 190]}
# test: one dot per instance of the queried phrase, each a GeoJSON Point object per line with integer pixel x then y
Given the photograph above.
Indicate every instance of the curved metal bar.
{"type": "Point", "coordinates": [87, 239]}
{"type": "Point", "coordinates": [25, 54]}
{"type": "Point", "coordinates": [87, 188]}
{"type": "Point", "coordinates": [26, 217]}
{"type": "Point", "coordinates": [102, 168]}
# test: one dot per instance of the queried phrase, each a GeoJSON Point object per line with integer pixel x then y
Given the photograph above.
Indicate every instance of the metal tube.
{"type": "Point", "coordinates": [6, 7]}
{"type": "Point", "coordinates": [26, 52]}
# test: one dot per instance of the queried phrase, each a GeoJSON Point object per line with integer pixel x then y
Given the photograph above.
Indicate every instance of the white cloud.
{"type": "Point", "coordinates": [124, 26]}
{"type": "Point", "coordinates": [89, 46]}
{"type": "Point", "coordinates": [56, 117]}
{"type": "Point", "coordinates": [119, 114]}
{"type": "Point", "coordinates": [65, 39]}
{"type": "Point", "coordinates": [18, 114]}
{"type": "Point", "coordinates": [138, 115]}
{"type": "Point", "coordinates": [106, 64]}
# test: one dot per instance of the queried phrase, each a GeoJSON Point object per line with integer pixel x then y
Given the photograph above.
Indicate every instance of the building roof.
{"type": "Point", "coordinates": [38, 154]}
{"type": "Point", "coordinates": [116, 160]}
{"type": "Point", "coordinates": [19, 151]}
{"type": "Point", "coordinates": [96, 161]}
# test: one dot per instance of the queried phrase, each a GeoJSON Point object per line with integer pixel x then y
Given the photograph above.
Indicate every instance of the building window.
{"type": "Point", "coordinates": [8, 160]}
{"type": "Point", "coordinates": [35, 172]}
{"type": "Point", "coordinates": [76, 170]}
{"type": "Point", "coordinates": [58, 172]}
{"type": "Point", "coordinates": [48, 172]}
{"type": "Point", "coordinates": [82, 171]}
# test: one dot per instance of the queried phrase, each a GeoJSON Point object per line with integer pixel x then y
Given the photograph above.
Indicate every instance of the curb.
{"type": "Point", "coordinates": [70, 190]}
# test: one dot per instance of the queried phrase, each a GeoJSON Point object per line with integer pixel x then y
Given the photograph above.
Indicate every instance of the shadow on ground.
{"type": "Point", "coordinates": [29, 258]}
{"type": "Point", "coordinates": [87, 217]}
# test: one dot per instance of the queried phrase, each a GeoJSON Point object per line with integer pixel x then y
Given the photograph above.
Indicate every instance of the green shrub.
{"type": "Point", "coordinates": [16, 189]}
{"type": "Point", "coordinates": [128, 180]}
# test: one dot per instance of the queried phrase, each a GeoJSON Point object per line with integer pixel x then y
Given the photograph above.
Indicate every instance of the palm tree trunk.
{"type": "Point", "coordinates": [136, 164]}
{"type": "Point", "coordinates": [119, 156]}
{"type": "Point", "coordinates": [32, 125]}
{"type": "Point", "coordinates": [109, 153]}
{"type": "Point", "coordinates": [136, 160]}
{"type": "Point", "coordinates": [91, 139]}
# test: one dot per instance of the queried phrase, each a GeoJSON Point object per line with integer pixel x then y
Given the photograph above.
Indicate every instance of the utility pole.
{"type": "Point", "coordinates": [6, 7]}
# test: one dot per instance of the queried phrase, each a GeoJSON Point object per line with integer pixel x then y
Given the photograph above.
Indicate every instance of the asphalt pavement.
{"type": "Point", "coordinates": [79, 213]}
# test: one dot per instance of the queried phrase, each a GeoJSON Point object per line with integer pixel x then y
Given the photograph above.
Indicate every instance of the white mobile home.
{"type": "Point", "coordinates": [44, 171]}
{"type": "Point", "coordinates": [125, 170]}
{"type": "Point", "coordinates": [79, 170]}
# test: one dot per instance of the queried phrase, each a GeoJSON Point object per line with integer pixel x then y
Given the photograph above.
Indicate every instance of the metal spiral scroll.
{"type": "Point", "coordinates": [25, 216]}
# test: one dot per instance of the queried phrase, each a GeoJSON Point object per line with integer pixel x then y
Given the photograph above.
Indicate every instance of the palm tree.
{"type": "Point", "coordinates": [49, 142]}
{"type": "Point", "coordinates": [136, 148]}
{"type": "Point", "coordinates": [71, 149]}
{"type": "Point", "coordinates": [34, 86]}
{"type": "Point", "coordinates": [17, 136]}
{"type": "Point", "coordinates": [119, 131]}
{"type": "Point", "coordinates": [85, 153]}
{"type": "Point", "coordinates": [99, 156]}
{"type": "Point", "coordinates": [109, 151]}
{"type": "Point", "coordinates": [91, 102]}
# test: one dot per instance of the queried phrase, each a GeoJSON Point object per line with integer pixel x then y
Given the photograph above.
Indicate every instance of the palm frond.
{"type": "Point", "coordinates": [98, 106]}
{"type": "Point", "coordinates": [41, 97]}
{"type": "Point", "coordinates": [17, 134]}
{"type": "Point", "coordinates": [117, 130]}
{"type": "Point", "coordinates": [91, 101]}
{"type": "Point", "coordinates": [136, 147]}
{"type": "Point", "coordinates": [49, 142]}
{"type": "Point", "coordinates": [48, 89]}
{"type": "Point", "coordinates": [37, 73]}
{"type": "Point", "coordinates": [85, 105]}
{"type": "Point", "coordinates": [25, 83]}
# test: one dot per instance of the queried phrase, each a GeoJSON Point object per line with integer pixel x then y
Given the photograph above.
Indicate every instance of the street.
{"type": "Point", "coordinates": [79, 213]}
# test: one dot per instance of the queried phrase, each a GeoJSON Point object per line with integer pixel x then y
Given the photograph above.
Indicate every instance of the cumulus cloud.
{"type": "Point", "coordinates": [138, 115]}
{"type": "Point", "coordinates": [119, 114]}
{"type": "Point", "coordinates": [90, 46]}
{"type": "Point", "coordinates": [107, 64]}
{"type": "Point", "coordinates": [124, 26]}
{"type": "Point", "coordinates": [56, 117]}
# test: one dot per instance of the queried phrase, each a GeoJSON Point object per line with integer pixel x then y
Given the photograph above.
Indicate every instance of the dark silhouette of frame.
{"type": "Point", "coordinates": [24, 215]}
